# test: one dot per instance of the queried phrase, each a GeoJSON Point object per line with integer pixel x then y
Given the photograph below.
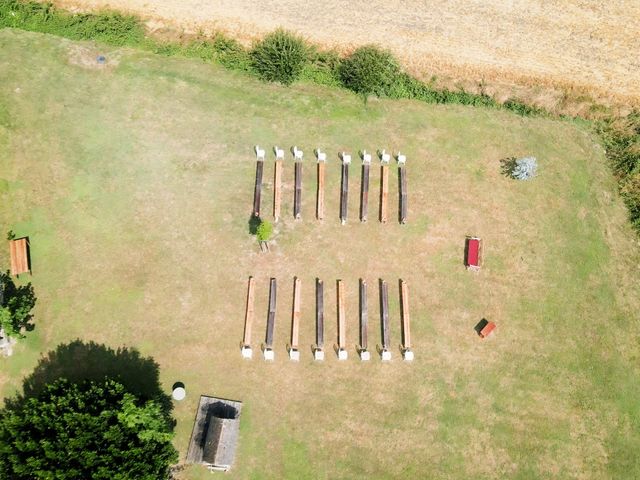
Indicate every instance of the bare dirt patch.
{"type": "Point", "coordinates": [563, 55]}
{"type": "Point", "coordinates": [90, 57]}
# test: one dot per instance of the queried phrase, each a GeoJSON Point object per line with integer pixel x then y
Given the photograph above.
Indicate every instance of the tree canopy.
{"type": "Point", "coordinates": [16, 304]}
{"type": "Point", "coordinates": [90, 429]}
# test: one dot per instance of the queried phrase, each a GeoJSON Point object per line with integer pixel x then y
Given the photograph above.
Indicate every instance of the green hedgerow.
{"type": "Point", "coordinates": [369, 70]}
{"type": "Point", "coordinates": [280, 57]}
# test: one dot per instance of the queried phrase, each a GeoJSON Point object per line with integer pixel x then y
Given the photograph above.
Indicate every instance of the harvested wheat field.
{"type": "Point", "coordinates": [561, 54]}
{"type": "Point", "coordinates": [134, 181]}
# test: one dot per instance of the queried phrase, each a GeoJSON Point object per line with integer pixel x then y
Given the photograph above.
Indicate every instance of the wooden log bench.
{"type": "Point", "coordinates": [297, 194]}
{"type": "Point", "coordinates": [248, 321]}
{"type": "Point", "coordinates": [365, 355]}
{"type": "Point", "coordinates": [257, 188]}
{"type": "Point", "coordinates": [20, 256]}
{"type": "Point", "coordinates": [277, 189]}
{"type": "Point", "coordinates": [318, 349]}
{"type": "Point", "coordinates": [364, 191]}
{"type": "Point", "coordinates": [384, 191]}
{"type": "Point", "coordinates": [342, 333]}
{"type": "Point", "coordinates": [267, 348]}
{"type": "Point", "coordinates": [385, 353]}
{"type": "Point", "coordinates": [322, 157]}
{"type": "Point", "coordinates": [344, 187]}
{"type": "Point", "coordinates": [407, 353]}
{"type": "Point", "coordinates": [402, 181]}
{"type": "Point", "coordinates": [294, 352]}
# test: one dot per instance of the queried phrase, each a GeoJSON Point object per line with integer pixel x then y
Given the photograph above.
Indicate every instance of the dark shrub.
{"type": "Point", "coordinates": [280, 57]}
{"type": "Point", "coordinates": [369, 70]}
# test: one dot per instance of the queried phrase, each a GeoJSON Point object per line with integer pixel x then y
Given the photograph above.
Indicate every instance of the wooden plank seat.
{"type": "Point", "coordinates": [294, 352]}
{"type": "Point", "coordinates": [385, 353]}
{"type": "Point", "coordinates": [364, 352]}
{"type": "Point", "coordinates": [20, 256]}
{"type": "Point", "coordinates": [267, 348]}
{"type": "Point", "coordinates": [318, 352]}
{"type": "Point", "coordinates": [248, 321]}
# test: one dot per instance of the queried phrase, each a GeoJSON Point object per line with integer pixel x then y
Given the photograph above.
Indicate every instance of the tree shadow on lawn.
{"type": "Point", "coordinates": [254, 223]}
{"type": "Point", "coordinates": [79, 361]}
{"type": "Point", "coordinates": [507, 165]}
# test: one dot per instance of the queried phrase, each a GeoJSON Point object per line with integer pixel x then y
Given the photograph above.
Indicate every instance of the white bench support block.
{"type": "Point", "coordinates": [385, 355]}
{"type": "Point", "coordinates": [318, 354]}
{"type": "Point", "coordinates": [294, 355]}
{"type": "Point", "coordinates": [320, 155]}
{"type": "Point", "coordinates": [342, 354]}
{"type": "Point", "coordinates": [269, 354]}
{"type": "Point", "coordinates": [365, 355]}
{"type": "Point", "coordinates": [407, 355]}
{"type": "Point", "coordinates": [247, 352]}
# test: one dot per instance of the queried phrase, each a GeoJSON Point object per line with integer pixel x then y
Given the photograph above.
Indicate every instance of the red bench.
{"type": "Point", "coordinates": [473, 253]}
{"type": "Point", "coordinates": [486, 331]}
{"type": "Point", "coordinates": [484, 328]}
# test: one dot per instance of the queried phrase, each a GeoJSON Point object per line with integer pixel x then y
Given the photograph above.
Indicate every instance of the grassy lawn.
{"type": "Point", "coordinates": [135, 182]}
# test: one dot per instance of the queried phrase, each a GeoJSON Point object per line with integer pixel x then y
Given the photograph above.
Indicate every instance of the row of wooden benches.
{"type": "Point", "coordinates": [341, 346]}
{"type": "Point", "coordinates": [344, 185]}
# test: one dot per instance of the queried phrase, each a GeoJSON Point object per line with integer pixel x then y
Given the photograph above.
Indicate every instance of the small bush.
{"type": "Point", "coordinates": [621, 138]}
{"type": "Point", "coordinates": [523, 109]}
{"type": "Point", "coordinates": [323, 68]}
{"type": "Point", "coordinates": [230, 54]}
{"type": "Point", "coordinates": [264, 231]}
{"type": "Point", "coordinates": [369, 70]}
{"type": "Point", "coordinates": [280, 57]}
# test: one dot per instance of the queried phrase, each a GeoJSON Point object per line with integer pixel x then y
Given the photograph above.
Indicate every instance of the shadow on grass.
{"type": "Point", "coordinates": [254, 223]}
{"type": "Point", "coordinates": [507, 165]}
{"type": "Point", "coordinates": [79, 361]}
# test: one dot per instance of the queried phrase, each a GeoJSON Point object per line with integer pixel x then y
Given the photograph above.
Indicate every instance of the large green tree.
{"type": "Point", "coordinates": [91, 429]}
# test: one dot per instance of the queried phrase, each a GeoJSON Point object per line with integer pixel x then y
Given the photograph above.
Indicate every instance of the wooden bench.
{"type": "Point", "coordinates": [318, 350]}
{"type": "Point", "coordinates": [320, 191]}
{"type": "Point", "coordinates": [384, 192]}
{"type": "Point", "coordinates": [294, 352]}
{"type": "Point", "coordinates": [267, 348]}
{"type": "Point", "coordinates": [364, 191]}
{"type": "Point", "coordinates": [342, 333]}
{"type": "Point", "coordinates": [277, 189]}
{"type": "Point", "coordinates": [257, 189]}
{"type": "Point", "coordinates": [20, 256]}
{"type": "Point", "coordinates": [297, 194]}
{"type": "Point", "coordinates": [364, 353]}
{"type": "Point", "coordinates": [407, 353]}
{"type": "Point", "coordinates": [248, 321]}
{"type": "Point", "coordinates": [385, 353]}
{"type": "Point", "coordinates": [344, 187]}
{"type": "Point", "coordinates": [402, 179]}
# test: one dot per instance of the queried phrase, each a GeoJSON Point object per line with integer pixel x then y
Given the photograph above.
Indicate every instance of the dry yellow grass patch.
{"type": "Point", "coordinates": [564, 55]}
